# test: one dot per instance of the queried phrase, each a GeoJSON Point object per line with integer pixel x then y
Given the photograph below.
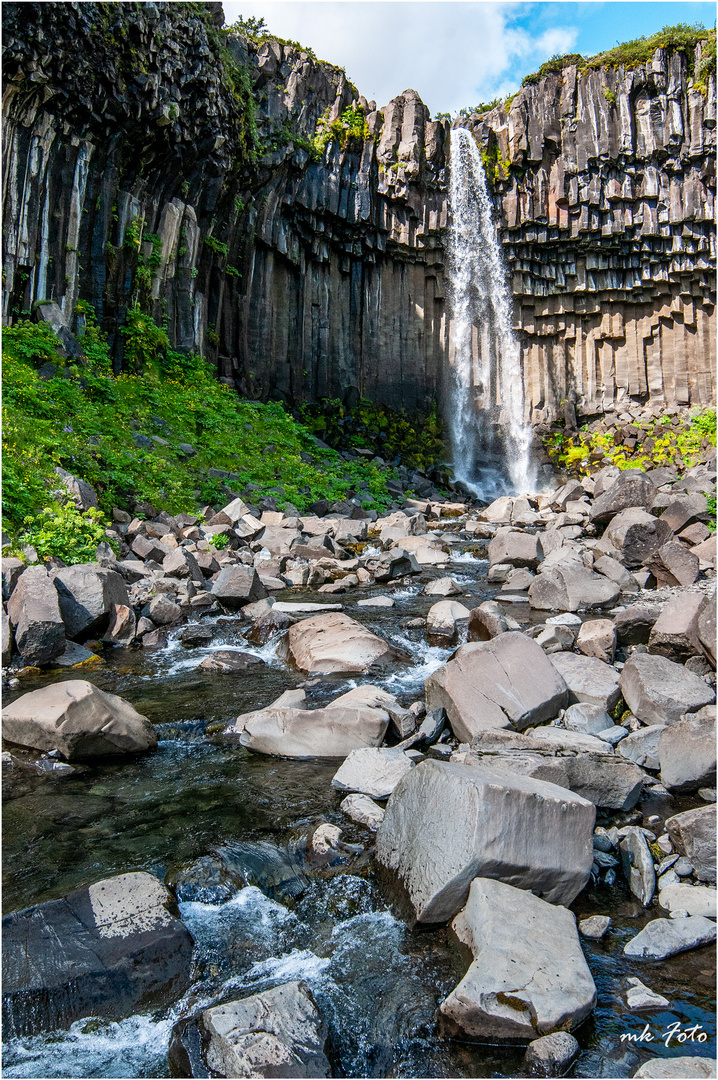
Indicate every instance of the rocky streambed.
{"type": "Point", "coordinates": [513, 834]}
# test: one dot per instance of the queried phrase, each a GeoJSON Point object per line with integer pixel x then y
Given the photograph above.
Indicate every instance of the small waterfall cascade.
{"type": "Point", "coordinates": [489, 436]}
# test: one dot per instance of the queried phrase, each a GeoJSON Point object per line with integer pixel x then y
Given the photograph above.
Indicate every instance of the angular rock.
{"type": "Point", "coordinates": [687, 752]}
{"type": "Point", "coordinates": [230, 661]}
{"type": "Point", "coordinates": [597, 637]}
{"type": "Point", "coordinates": [486, 621]}
{"type": "Point", "coordinates": [83, 494]}
{"type": "Point", "coordinates": [443, 618]}
{"type": "Point", "coordinates": [589, 719]}
{"type": "Point", "coordinates": [238, 585]}
{"type": "Point", "coordinates": [393, 564]}
{"type": "Point", "coordinates": [148, 550]}
{"type": "Point", "coordinates": [373, 772]}
{"type": "Point", "coordinates": [707, 626]}
{"type": "Point", "coordinates": [333, 731]}
{"type": "Point", "coordinates": [34, 614]}
{"type": "Point", "coordinates": [181, 563]}
{"type": "Point", "coordinates": [444, 586]}
{"type": "Point", "coordinates": [122, 626]}
{"type": "Point", "coordinates": [551, 1055]}
{"type": "Point", "coordinates": [683, 511]}
{"type": "Point", "coordinates": [109, 950]}
{"type": "Point", "coordinates": [8, 640]}
{"type": "Point", "coordinates": [675, 632]}
{"type": "Point", "coordinates": [363, 810]}
{"type": "Point", "coordinates": [588, 679]}
{"type": "Point", "coordinates": [529, 975]}
{"type": "Point", "coordinates": [78, 720]}
{"type": "Point", "coordinates": [447, 823]}
{"type": "Point", "coordinates": [674, 564]}
{"type": "Point", "coordinates": [658, 691]}
{"type": "Point", "coordinates": [11, 572]}
{"type": "Point", "coordinates": [516, 547]}
{"type": "Point", "coordinates": [162, 610]}
{"type": "Point", "coordinates": [494, 684]}
{"type": "Point", "coordinates": [87, 593]}
{"type": "Point", "coordinates": [641, 746]}
{"type": "Point", "coordinates": [694, 835]}
{"type": "Point", "coordinates": [638, 865]}
{"type": "Point", "coordinates": [635, 536]}
{"type": "Point", "coordinates": [634, 624]}
{"type": "Point", "coordinates": [334, 642]}
{"type": "Point", "coordinates": [662, 938]}
{"type": "Point", "coordinates": [594, 927]}
{"type": "Point", "coordinates": [631, 488]}
{"type": "Point", "coordinates": [572, 587]}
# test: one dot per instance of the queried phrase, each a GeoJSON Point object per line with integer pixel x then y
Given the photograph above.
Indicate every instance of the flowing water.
{"type": "Point", "coordinates": [377, 981]}
{"type": "Point", "coordinates": [489, 435]}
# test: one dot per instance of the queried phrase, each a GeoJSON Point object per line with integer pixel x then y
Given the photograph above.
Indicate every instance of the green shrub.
{"type": "Point", "coordinates": [35, 342]}
{"type": "Point", "coordinates": [63, 530]}
{"type": "Point", "coordinates": [145, 343]}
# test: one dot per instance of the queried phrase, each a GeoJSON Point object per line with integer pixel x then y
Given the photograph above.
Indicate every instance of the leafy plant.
{"type": "Point", "coordinates": [145, 343]}
{"type": "Point", "coordinates": [217, 246]}
{"type": "Point", "coordinates": [35, 342]}
{"type": "Point", "coordinates": [219, 541]}
{"type": "Point", "coordinates": [61, 529]}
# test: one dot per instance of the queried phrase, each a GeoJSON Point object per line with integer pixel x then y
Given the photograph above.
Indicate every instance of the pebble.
{"type": "Point", "coordinates": [683, 867]}
{"type": "Point", "coordinates": [708, 794]}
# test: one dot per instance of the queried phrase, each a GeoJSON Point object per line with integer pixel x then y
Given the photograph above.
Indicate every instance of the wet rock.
{"type": "Point", "coordinates": [570, 587]}
{"type": "Point", "coordinates": [551, 1055]}
{"type": "Point", "coordinates": [640, 996]}
{"type": "Point", "coordinates": [675, 632]}
{"type": "Point", "coordinates": [374, 772]}
{"type": "Point", "coordinates": [363, 810]}
{"type": "Point", "coordinates": [662, 938]}
{"type": "Point", "coordinates": [515, 547]}
{"type": "Point", "coordinates": [333, 642]}
{"type": "Point", "coordinates": [446, 823]}
{"type": "Point", "coordinates": [658, 691]}
{"type": "Point", "coordinates": [634, 625]}
{"type": "Point", "coordinates": [109, 950]}
{"type": "Point", "coordinates": [444, 586]}
{"type": "Point", "coordinates": [376, 602]}
{"type": "Point", "coordinates": [594, 927]}
{"type": "Point", "coordinates": [34, 614]}
{"type": "Point", "coordinates": [162, 610]}
{"type": "Point", "coordinates": [122, 625]}
{"type": "Point", "coordinates": [486, 621]}
{"type": "Point", "coordinates": [630, 488]}
{"type": "Point", "coordinates": [635, 537]}
{"type": "Point", "coordinates": [77, 720]}
{"type": "Point", "coordinates": [691, 899]}
{"type": "Point", "coordinates": [687, 751]}
{"type": "Point", "coordinates": [238, 585]}
{"type": "Point", "coordinates": [641, 746]}
{"type": "Point", "coordinates": [693, 834]}
{"type": "Point", "coordinates": [638, 865]}
{"type": "Point", "coordinates": [392, 564]}
{"type": "Point", "coordinates": [495, 684]}
{"type": "Point", "coordinates": [597, 638]}
{"type": "Point", "coordinates": [278, 1032]}
{"type": "Point", "coordinates": [443, 619]}
{"type": "Point", "coordinates": [232, 866]}
{"type": "Point", "coordinates": [231, 661]}
{"type": "Point", "coordinates": [195, 635]}
{"type": "Point", "coordinates": [334, 731]}
{"type": "Point", "coordinates": [677, 1068]}
{"type": "Point", "coordinates": [529, 975]}
{"type": "Point", "coordinates": [589, 680]}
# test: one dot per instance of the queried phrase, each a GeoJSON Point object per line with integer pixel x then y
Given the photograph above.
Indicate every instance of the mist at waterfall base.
{"type": "Point", "coordinates": [490, 439]}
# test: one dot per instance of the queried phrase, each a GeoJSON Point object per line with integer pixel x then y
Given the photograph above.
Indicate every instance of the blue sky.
{"type": "Point", "coordinates": [457, 54]}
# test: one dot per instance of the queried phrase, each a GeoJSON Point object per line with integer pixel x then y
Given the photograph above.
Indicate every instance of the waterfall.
{"type": "Point", "coordinates": [489, 436]}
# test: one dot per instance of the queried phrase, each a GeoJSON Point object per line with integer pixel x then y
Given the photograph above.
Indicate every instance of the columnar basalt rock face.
{"type": "Point", "coordinates": [605, 198]}
{"type": "Point", "coordinates": [302, 275]}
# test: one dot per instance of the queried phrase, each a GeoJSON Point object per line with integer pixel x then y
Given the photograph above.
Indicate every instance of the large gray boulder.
{"type": "Point", "coordinates": [109, 950]}
{"type": "Point", "coordinates": [529, 976]}
{"type": "Point", "coordinates": [447, 823]}
{"type": "Point", "coordinates": [333, 643]}
{"type": "Point", "coordinates": [34, 614]}
{"type": "Point", "coordinates": [634, 624]}
{"type": "Point", "coordinates": [276, 1033]}
{"type": "Point", "coordinates": [687, 751]}
{"type": "Point", "coordinates": [588, 679]}
{"type": "Point", "coordinates": [12, 569]}
{"type": "Point", "coordinates": [78, 720]}
{"type": "Point", "coordinates": [571, 586]}
{"type": "Point", "coordinates": [515, 547]}
{"type": "Point", "coordinates": [674, 564]}
{"type": "Point", "coordinates": [506, 681]}
{"type": "Point", "coordinates": [675, 632]}
{"type": "Point", "coordinates": [641, 746]}
{"type": "Point", "coordinates": [694, 835]}
{"type": "Point", "coordinates": [707, 626]}
{"type": "Point", "coordinates": [662, 938]}
{"type": "Point", "coordinates": [683, 1067]}
{"type": "Point", "coordinates": [83, 494]}
{"type": "Point", "coordinates": [631, 488]}
{"type": "Point", "coordinates": [236, 586]}
{"type": "Point", "coordinates": [635, 536]}
{"type": "Point", "coordinates": [658, 691]}
{"type": "Point", "coordinates": [287, 729]}
{"type": "Point", "coordinates": [374, 772]}
{"type": "Point", "coordinates": [86, 594]}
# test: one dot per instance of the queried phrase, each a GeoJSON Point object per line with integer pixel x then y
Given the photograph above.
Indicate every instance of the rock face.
{"type": "Point", "coordinates": [78, 720]}
{"type": "Point", "coordinates": [35, 617]}
{"type": "Point", "coordinates": [108, 950]}
{"type": "Point", "coordinates": [86, 594]}
{"type": "Point", "coordinates": [506, 681]}
{"type": "Point", "coordinates": [276, 1033]}
{"type": "Point", "coordinates": [448, 823]}
{"type": "Point", "coordinates": [529, 976]}
{"type": "Point", "coordinates": [335, 253]}
{"type": "Point", "coordinates": [334, 642]}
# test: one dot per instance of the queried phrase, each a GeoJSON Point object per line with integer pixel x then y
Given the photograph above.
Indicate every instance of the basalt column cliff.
{"type": "Point", "coordinates": [248, 197]}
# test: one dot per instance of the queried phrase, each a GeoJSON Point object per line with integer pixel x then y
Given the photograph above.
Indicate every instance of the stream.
{"type": "Point", "coordinates": [377, 982]}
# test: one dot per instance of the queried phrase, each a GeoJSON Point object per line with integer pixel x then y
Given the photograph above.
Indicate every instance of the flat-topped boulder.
{"type": "Point", "coordinates": [630, 488]}
{"type": "Point", "coordinates": [588, 679]}
{"type": "Point", "coordinates": [529, 976]}
{"type": "Point", "coordinates": [516, 547]}
{"type": "Point", "coordinates": [658, 691]}
{"type": "Point", "coordinates": [571, 586]}
{"type": "Point", "coordinates": [78, 720]}
{"type": "Point", "coordinates": [373, 772]}
{"type": "Point", "coordinates": [333, 643]}
{"type": "Point", "coordinates": [447, 823]}
{"type": "Point", "coordinates": [687, 751]}
{"type": "Point", "coordinates": [662, 938]}
{"type": "Point", "coordinates": [507, 681]}
{"type": "Point", "coordinates": [108, 950]}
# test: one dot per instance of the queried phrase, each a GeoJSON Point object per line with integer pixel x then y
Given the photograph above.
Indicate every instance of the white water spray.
{"type": "Point", "coordinates": [484, 353]}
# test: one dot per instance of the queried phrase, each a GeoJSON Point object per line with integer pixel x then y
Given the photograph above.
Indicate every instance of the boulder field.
{"type": "Point", "coordinates": [565, 714]}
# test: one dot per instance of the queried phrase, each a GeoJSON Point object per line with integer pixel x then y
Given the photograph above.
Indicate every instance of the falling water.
{"type": "Point", "coordinates": [489, 436]}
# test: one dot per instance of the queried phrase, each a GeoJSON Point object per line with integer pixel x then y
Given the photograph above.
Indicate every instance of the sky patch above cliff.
{"type": "Point", "coordinates": [458, 54]}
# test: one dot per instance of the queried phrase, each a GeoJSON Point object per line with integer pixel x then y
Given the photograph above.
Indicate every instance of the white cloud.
{"type": "Point", "coordinates": [454, 54]}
